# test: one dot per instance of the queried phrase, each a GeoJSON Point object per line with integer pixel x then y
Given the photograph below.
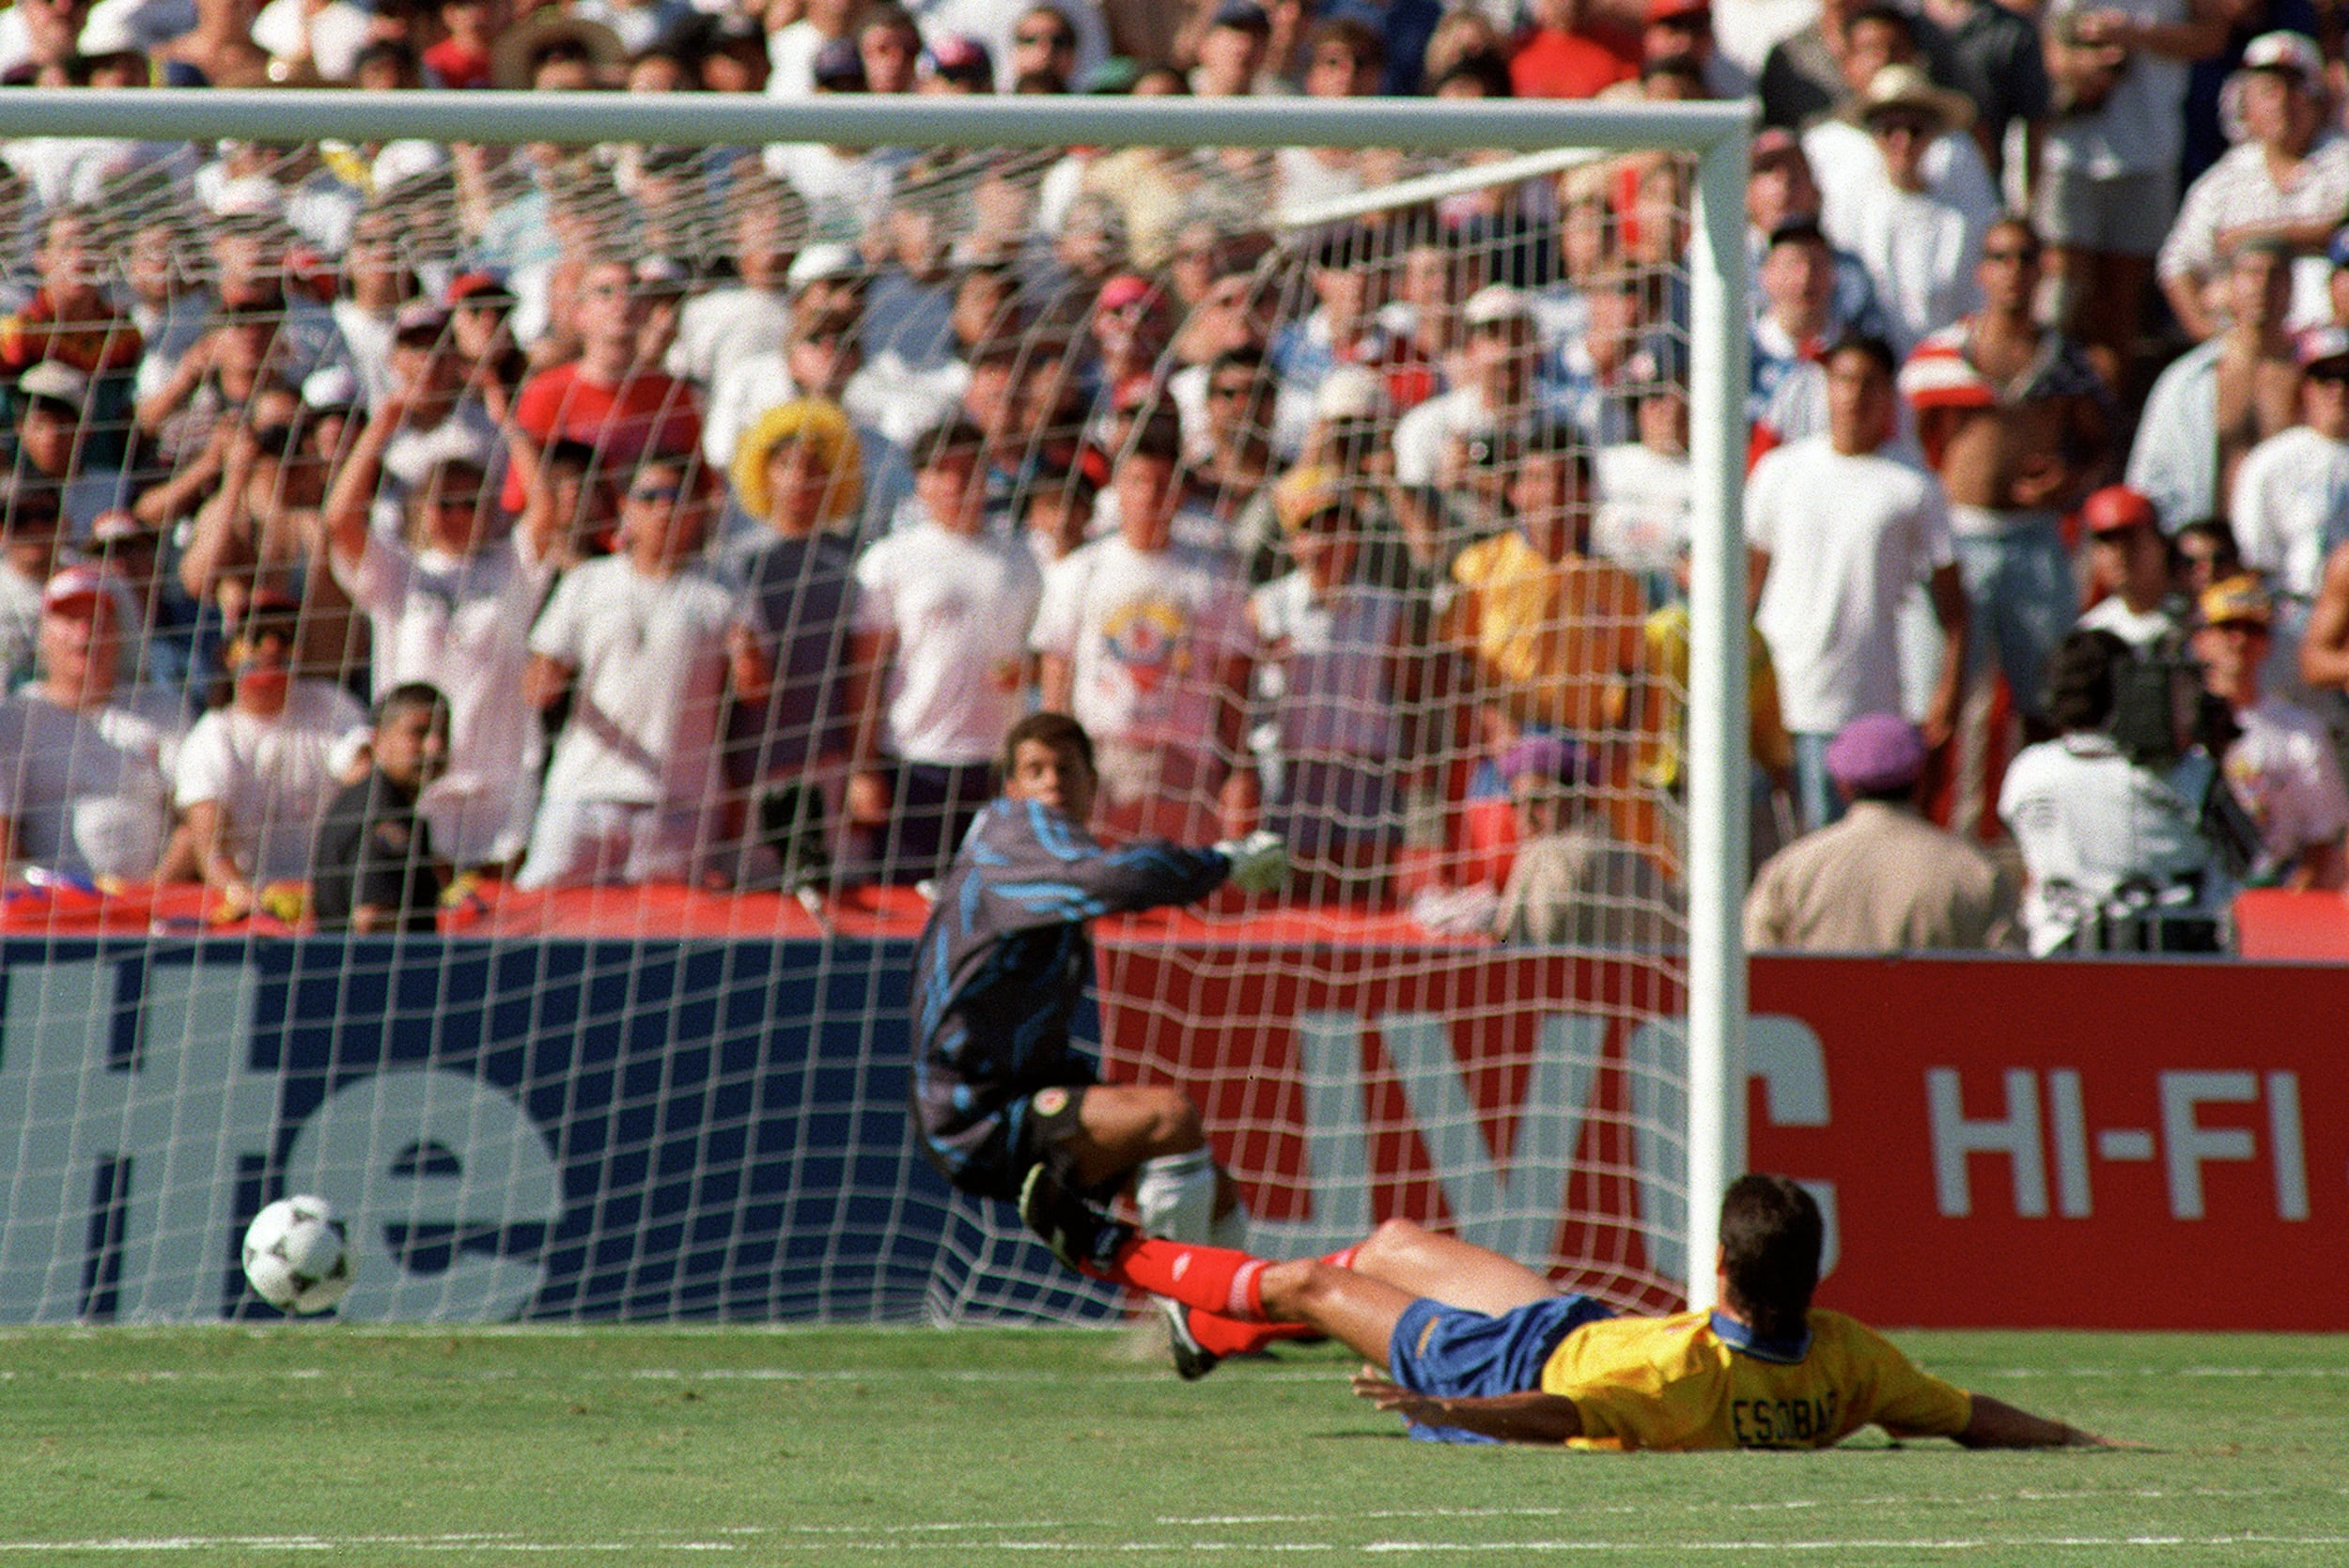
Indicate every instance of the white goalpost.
{"type": "Point", "coordinates": [172, 1072]}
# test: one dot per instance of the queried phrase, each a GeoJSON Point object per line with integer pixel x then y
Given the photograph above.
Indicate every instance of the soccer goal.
{"type": "Point", "coordinates": [320, 396]}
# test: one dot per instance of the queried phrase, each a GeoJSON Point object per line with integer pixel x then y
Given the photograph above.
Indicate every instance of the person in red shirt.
{"type": "Point", "coordinates": [606, 399]}
{"type": "Point", "coordinates": [1556, 58]}
{"type": "Point", "coordinates": [70, 319]}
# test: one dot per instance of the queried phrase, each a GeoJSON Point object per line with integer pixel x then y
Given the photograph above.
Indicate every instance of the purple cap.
{"type": "Point", "coordinates": [1876, 753]}
{"type": "Point", "coordinates": [1551, 757]}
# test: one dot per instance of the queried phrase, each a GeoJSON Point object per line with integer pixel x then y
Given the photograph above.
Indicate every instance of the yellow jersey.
{"type": "Point", "coordinates": [1683, 1382]}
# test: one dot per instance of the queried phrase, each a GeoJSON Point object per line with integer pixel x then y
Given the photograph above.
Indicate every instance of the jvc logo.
{"type": "Point", "coordinates": [1511, 1201]}
{"type": "Point", "coordinates": [129, 1114]}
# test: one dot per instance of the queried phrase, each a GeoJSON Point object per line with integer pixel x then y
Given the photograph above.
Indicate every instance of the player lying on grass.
{"type": "Point", "coordinates": [1478, 1349]}
{"type": "Point", "coordinates": [998, 1088]}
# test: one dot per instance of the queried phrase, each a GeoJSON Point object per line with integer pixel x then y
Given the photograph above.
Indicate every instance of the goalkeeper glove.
{"type": "Point", "coordinates": [1260, 861]}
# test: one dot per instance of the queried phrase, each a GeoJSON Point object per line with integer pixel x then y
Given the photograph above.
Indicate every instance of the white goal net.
{"type": "Point", "coordinates": [667, 526]}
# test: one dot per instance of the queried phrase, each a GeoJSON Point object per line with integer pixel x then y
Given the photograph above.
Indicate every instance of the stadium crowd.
{"type": "Point", "coordinates": [736, 500]}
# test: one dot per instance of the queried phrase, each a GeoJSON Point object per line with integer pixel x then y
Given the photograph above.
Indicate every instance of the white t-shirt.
{"type": "Point", "coordinates": [1920, 252]}
{"type": "Point", "coordinates": [2141, 125]}
{"type": "Point", "coordinates": [2286, 775]}
{"type": "Point", "coordinates": [462, 623]}
{"type": "Point", "coordinates": [2141, 632]}
{"type": "Point", "coordinates": [2291, 501]}
{"type": "Point", "coordinates": [1848, 166]}
{"type": "Point", "coordinates": [90, 790]}
{"type": "Point", "coordinates": [1145, 635]}
{"type": "Point", "coordinates": [1422, 436]}
{"type": "Point", "coordinates": [2088, 820]}
{"type": "Point", "coordinates": [1849, 538]}
{"type": "Point", "coordinates": [336, 32]}
{"type": "Point", "coordinates": [959, 608]}
{"type": "Point", "coordinates": [649, 662]}
{"type": "Point", "coordinates": [273, 777]}
{"type": "Point", "coordinates": [1643, 517]}
{"type": "Point", "coordinates": [1328, 666]}
{"type": "Point", "coordinates": [720, 328]}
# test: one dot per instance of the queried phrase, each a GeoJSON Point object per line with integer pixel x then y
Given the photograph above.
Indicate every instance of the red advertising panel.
{"type": "Point", "coordinates": [2149, 1145]}
{"type": "Point", "coordinates": [1998, 1143]}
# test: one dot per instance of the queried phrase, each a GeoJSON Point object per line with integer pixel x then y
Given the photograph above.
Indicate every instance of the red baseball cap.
{"type": "Point", "coordinates": [1672, 11]}
{"type": "Point", "coordinates": [2117, 507]}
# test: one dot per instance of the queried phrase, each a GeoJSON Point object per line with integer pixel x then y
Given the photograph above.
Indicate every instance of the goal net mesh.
{"type": "Point", "coordinates": [735, 501]}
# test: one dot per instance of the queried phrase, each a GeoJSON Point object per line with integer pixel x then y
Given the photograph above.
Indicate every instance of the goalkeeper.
{"type": "Point", "coordinates": [1472, 1346]}
{"type": "Point", "coordinates": [998, 1088]}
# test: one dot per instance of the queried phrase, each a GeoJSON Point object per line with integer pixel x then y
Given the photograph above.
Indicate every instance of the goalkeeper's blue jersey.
{"type": "Point", "coordinates": [1007, 956]}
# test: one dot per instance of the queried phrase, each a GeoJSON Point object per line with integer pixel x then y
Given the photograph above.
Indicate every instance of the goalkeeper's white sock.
{"type": "Point", "coordinates": [1175, 1196]}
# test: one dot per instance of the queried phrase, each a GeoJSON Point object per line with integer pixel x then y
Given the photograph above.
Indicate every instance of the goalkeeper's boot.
{"type": "Point", "coordinates": [1079, 1235]}
{"type": "Point", "coordinates": [1192, 1361]}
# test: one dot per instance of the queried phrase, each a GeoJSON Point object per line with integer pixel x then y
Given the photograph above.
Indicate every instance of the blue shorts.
{"type": "Point", "coordinates": [1454, 1352]}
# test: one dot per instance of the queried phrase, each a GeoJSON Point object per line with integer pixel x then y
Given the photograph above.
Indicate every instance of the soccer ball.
{"type": "Point", "coordinates": [295, 1255]}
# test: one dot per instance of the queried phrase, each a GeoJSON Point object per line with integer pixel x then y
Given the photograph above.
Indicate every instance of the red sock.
{"type": "Point", "coordinates": [1213, 1278]}
{"type": "Point", "coordinates": [1228, 1336]}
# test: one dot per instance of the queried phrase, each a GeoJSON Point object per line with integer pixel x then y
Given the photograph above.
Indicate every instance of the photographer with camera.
{"type": "Point", "coordinates": [2130, 838]}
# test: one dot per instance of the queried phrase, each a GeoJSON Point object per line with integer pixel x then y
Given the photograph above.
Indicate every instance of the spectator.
{"type": "Point", "coordinates": [1782, 192]}
{"type": "Point", "coordinates": [1571, 882]}
{"type": "Point", "coordinates": [606, 399]}
{"type": "Point", "coordinates": [1994, 58]}
{"type": "Point", "coordinates": [314, 43]}
{"type": "Point", "coordinates": [256, 775]}
{"type": "Point", "coordinates": [1683, 30]}
{"type": "Point", "coordinates": [1496, 396]}
{"type": "Point", "coordinates": [791, 49]}
{"type": "Point", "coordinates": [2107, 187]}
{"type": "Point", "coordinates": [1143, 639]}
{"type": "Point", "coordinates": [1804, 77]}
{"type": "Point", "coordinates": [2287, 175]}
{"type": "Point", "coordinates": [1794, 330]}
{"type": "Point", "coordinates": [2282, 767]}
{"type": "Point", "coordinates": [1556, 59]}
{"type": "Point", "coordinates": [1343, 328]}
{"type": "Point", "coordinates": [1340, 663]}
{"type": "Point", "coordinates": [1918, 246]}
{"type": "Point", "coordinates": [461, 59]}
{"type": "Point", "coordinates": [888, 46]}
{"type": "Point", "coordinates": [2128, 557]}
{"type": "Point", "coordinates": [52, 408]}
{"type": "Point", "coordinates": [943, 608]}
{"type": "Point", "coordinates": [1882, 879]}
{"type": "Point", "coordinates": [70, 318]}
{"type": "Point", "coordinates": [1231, 474]}
{"type": "Point", "coordinates": [1848, 160]}
{"type": "Point", "coordinates": [1344, 58]}
{"type": "Point", "coordinates": [1842, 529]}
{"type": "Point", "coordinates": [2013, 417]}
{"type": "Point", "coordinates": [258, 533]}
{"type": "Point", "coordinates": [639, 25]}
{"type": "Point", "coordinates": [847, 189]}
{"type": "Point", "coordinates": [718, 329]}
{"type": "Point", "coordinates": [376, 282]}
{"type": "Point", "coordinates": [2223, 396]}
{"type": "Point", "coordinates": [447, 597]}
{"type": "Point", "coordinates": [1231, 51]}
{"type": "Point", "coordinates": [86, 789]}
{"type": "Point", "coordinates": [2115, 856]}
{"type": "Point", "coordinates": [1547, 635]}
{"type": "Point", "coordinates": [799, 473]}
{"type": "Point", "coordinates": [28, 556]}
{"type": "Point", "coordinates": [649, 644]}
{"type": "Point", "coordinates": [2202, 552]}
{"type": "Point", "coordinates": [1643, 522]}
{"type": "Point", "coordinates": [373, 868]}
{"type": "Point", "coordinates": [158, 632]}
{"type": "Point", "coordinates": [2290, 503]}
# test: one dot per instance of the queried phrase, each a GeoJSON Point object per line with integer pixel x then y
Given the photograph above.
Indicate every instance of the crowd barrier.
{"type": "Point", "coordinates": [680, 1127]}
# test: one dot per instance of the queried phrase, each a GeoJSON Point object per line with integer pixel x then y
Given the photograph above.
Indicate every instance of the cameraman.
{"type": "Point", "coordinates": [2117, 855]}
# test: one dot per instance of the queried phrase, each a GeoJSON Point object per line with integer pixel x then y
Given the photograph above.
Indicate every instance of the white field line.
{"type": "Point", "coordinates": [1025, 1538]}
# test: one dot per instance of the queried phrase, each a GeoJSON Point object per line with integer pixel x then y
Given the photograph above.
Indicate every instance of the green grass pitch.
{"type": "Point", "coordinates": [337, 1445]}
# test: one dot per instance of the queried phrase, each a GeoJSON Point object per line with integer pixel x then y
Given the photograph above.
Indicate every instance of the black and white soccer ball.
{"type": "Point", "coordinates": [296, 1255]}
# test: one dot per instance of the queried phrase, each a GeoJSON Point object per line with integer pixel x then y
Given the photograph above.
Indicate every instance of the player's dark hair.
{"type": "Point", "coordinates": [406, 697]}
{"type": "Point", "coordinates": [1889, 16]}
{"type": "Point", "coordinates": [1869, 344]}
{"type": "Point", "coordinates": [1056, 730]}
{"type": "Point", "coordinates": [1770, 1238]}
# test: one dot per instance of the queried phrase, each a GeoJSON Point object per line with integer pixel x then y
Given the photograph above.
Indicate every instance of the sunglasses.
{"type": "Point", "coordinates": [655, 492]}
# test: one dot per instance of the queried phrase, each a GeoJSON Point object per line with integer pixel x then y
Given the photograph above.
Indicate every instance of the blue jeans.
{"type": "Point", "coordinates": [2021, 598]}
{"type": "Point", "coordinates": [1816, 799]}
